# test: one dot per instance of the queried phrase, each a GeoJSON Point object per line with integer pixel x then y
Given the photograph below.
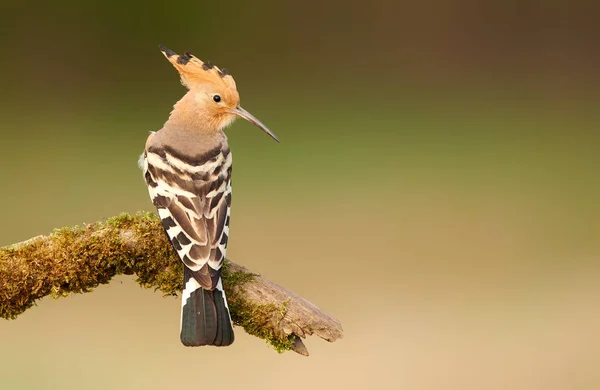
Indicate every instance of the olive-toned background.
{"type": "Point", "coordinates": [436, 187]}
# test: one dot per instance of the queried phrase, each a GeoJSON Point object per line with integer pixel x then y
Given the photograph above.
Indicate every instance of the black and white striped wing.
{"type": "Point", "coordinates": [193, 198]}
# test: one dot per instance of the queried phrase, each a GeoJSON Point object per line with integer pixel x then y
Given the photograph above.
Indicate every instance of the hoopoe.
{"type": "Point", "coordinates": [187, 167]}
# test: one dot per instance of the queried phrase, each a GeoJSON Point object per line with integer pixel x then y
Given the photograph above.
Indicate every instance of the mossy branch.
{"type": "Point", "coordinates": [76, 260]}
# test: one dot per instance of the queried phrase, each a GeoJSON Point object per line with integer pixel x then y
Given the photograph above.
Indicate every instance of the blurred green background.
{"type": "Point", "coordinates": [436, 188]}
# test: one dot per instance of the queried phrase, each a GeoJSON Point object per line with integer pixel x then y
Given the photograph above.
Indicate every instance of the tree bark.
{"type": "Point", "coordinates": [76, 260]}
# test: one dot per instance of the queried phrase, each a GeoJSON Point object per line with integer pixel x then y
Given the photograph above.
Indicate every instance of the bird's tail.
{"type": "Point", "coordinates": [205, 318]}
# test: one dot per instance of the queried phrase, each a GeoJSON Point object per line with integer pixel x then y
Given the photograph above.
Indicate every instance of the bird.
{"type": "Point", "coordinates": [187, 168]}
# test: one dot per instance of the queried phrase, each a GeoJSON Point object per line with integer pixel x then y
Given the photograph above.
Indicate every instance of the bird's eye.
{"type": "Point", "coordinates": [217, 98]}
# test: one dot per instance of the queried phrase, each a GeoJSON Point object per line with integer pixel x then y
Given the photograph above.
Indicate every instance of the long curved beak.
{"type": "Point", "coordinates": [239, 111]}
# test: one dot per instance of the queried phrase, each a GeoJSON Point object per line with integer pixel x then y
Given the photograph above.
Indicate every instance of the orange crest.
{"type": "Point", "coordinates": [198, 74]}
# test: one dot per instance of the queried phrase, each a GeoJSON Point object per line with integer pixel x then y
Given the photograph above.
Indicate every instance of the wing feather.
{"type": "Point", "coordinates": [194, 212]}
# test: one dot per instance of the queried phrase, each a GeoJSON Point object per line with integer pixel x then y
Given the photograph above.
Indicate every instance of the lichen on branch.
{"type": "Point", "coordinates": [78, 259]}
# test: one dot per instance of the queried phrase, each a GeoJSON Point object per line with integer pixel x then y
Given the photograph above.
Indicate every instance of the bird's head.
{"type": "Point", "coordinates": [213, 100]}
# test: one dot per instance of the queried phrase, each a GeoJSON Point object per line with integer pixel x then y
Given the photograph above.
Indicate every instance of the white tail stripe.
{"type": "Point", "coordinates": [220, 288]}
{"type": "Point", "coordinates": [190, 286]}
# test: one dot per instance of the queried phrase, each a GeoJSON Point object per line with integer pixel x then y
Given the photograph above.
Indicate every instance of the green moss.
{"type": "Point", "coordinates": [78, 259]}
{"type": "Point", "coordinates": [257, 320]}
{"type": "Point", "coordinates": [235, 278]}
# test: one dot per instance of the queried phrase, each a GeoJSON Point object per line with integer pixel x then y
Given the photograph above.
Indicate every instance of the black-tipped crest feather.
{"type": "Point", "coordinates": [168, 52]}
